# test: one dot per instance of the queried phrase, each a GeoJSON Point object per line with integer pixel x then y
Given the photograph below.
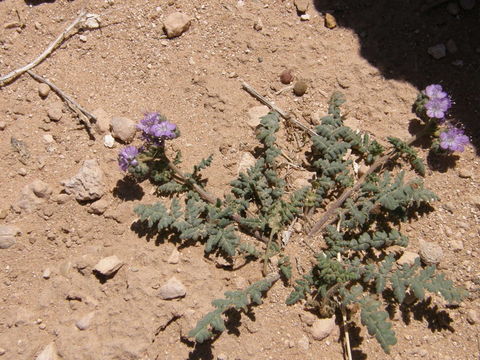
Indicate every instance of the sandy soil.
{"type": "Point", "coordinates": [128, 67]}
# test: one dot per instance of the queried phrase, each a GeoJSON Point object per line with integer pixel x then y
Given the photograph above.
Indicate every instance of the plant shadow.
{"type": "Point", "coordinates": [127, 189]}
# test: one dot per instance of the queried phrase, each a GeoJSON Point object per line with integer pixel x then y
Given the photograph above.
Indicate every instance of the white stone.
{"type": "Point", "coordinates": [109, 265]}
{"type": "Point", "coordinates": [85, 322]}
{"type": "Point", "coordinates": [172, 289]}
{"type": "Point", "coordinates": [305, 17]}
{"type": "Point", "coordinates": [255, 114]}
{"type": "Point", "coordinates": [92, 21]}
{"type": "Point", "coordinates": [322, 328]}
{"type": "Point", "coordinates": [47, 273]}
{"type": "Point", "coordinates": [109, 141]}
{"type": "Point", "coordinates": [88, 183]}
{"type": "Point", "coordinates": [247, 161]}
{"type": "Point", "coordinates": [123, 129]}
{"type": "Point", "coordinates": [48, 138]}
{"type": "Point", "coordinates": [174, 257]}
{"type": "Point", "coordinates": [48, 353]}
{"type": "Point", "coordinates": [176, 24]}
{"type": "Point", "coordinates": [7, 235]}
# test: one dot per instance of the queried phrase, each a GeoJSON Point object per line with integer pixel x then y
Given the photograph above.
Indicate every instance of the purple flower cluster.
{"type": "Point", "coordinates": [155, 129]}
{"type": "Point", "coordinates": [453, 139]}
{"type": "Point", "coordinates": [127, 157]}
{"type": "Point", "coordinates": [439, 102]}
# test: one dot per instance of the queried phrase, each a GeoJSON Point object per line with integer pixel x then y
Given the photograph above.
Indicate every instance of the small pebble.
{"type": "Point", "coordinates": [108, 141]}
{"type": "Point", "coordinates": [22, 171]}
{"type": "Point", "coordinates": [43, 90]}
{"type": "Point", "coordinates": [430, 253]}
{"type": "Point", "coordinates": [437, 51]}
{"type": "Point", "coordinates": [48, 138]}
{"type": "Point", "coordinates": [330, 21]}
{"type": "Point", "coordinates": [286, 77]}
{"type": "Point", "coordinates": [2, 351]}
{"type": "Point", "coordinates": [85, 322]}
{"type": "Point", "coordinates": [83, 38]}
{"type": "Point", "coordinates": [472, 317]}
{"type": "Point", "coordinates": [300, 88]}
{"type": "Point", "coordinates": [302, 5]}
{"type": "Point", "coordinates": [55, 111]}
{"type": "Point", "coordinates": [174, 257]}
{"type": "Point", "coordinates": [465, 173]}
{"type": "Point", "coordinates": [47, 273]}
{"type": "Point", "coordinates": [305, 17]}
{"type": "Point", "coordinates": [456, 245]}
{"type": "Point", "coordinates": [109, 265]}
{"type": "Point", "coordinates": [3, 125]}
{"type": "Point", "coordinates": [172, 289]}
{"type": "Point", "coordinates": [258, 25]}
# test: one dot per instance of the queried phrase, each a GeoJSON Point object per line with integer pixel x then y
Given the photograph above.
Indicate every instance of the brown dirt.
{"type": "Point", "coordinates": [126, 68]}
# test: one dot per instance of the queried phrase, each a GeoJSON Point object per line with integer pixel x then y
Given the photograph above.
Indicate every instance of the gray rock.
{"type": "Point", "coordinates": [302, 5]}
{"type": "Point", "coordinates": [7, 235]}
{"type": "Point", "coordinates": [88, 184]}
{"type": "Point", "coordinates": [99, 207]}
{"type": "Point", "coordinates": [465, 173]}
{"type": "Point", "coordinates": [32, 195]}
{"type": "Point", "coordinates": [456, 245]}
{"type": "Point", "coordinates": [430, 253]}
{"type": "Point", "coordinates": [85, 322]}
{"type": "Point", "coordinates": [176, 24]}
{"type": "Point", "coordinates": [48, 353]}
{"type": "Point", "coordinates": [437, 51]}
{"type": "Point", "coordinates": [247, 161]}
{"type": "Point", "coordinates": [467, 4]}
{"type": "Point", "coordinates": [55, 111]}
{"type": "Point", "coordinates": [43, 90]}
{"type": "Point", "coordinates": [451, 46]}
{"type": "Point", "coordinates": [308, 318]}
{"type": "Point", "coordinates": [123, 129]}
{"type": "Point", "coordinates": [92, 21]}
{"type": "Point", "coordinates": [408, 257]}
{"type": "Point", "coordinates": [103, 121]}
{"type": "Point", "coordinates": [109, 265]}
{"type": "Point", "coordinates": [304, 343]}
{"type": "Point", "coordinates": [172, 289]}
{"type": "Point", "coordinates": [255, 114]}
{"type": "Point", "coordinates": [472, 317]}
{"type": "Point", "coordinates": [174, 257]}
{"type": "Point", "coordinates": [322, 328]}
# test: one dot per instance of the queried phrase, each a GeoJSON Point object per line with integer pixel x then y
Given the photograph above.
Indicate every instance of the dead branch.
{"type": "Point", "coordinates": [85, 117]}
{"type": "Point", "coordinates": [62, 37]}
{"type": "Point", "coordinates": [274, 107]}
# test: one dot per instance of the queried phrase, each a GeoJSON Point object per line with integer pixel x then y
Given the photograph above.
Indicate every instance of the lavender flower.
{"type": "Point", "coordinates": [435, 91]}
{"type": "Point", "coordinates": [164, 130]}
{"type": "Point", "coordinates": [155, 129]}
{"type": "Point", "coordinates": [127, 157]}
{"type": "Point", "coordinates": [453, 139]}
{"type": "Point", "coordinates": [437, 107]}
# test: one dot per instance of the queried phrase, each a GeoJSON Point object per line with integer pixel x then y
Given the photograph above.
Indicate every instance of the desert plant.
{"type": "Point", "coordinates": [359, 217]}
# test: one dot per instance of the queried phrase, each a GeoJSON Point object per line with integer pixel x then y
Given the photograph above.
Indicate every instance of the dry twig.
{"type": "Point", "coordinates": [63, 36]}
{"type": "Point", "coordinates": [274, 107]}
{"type": "Point", "coordinates": [85, 117]}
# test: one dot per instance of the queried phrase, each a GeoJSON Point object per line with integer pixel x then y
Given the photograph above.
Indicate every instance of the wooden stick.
{"type": "Point", "coordinates": [63, 36]}
{"type": "Point", "coordinates": [85, 117]}
{"type": "Point", "coordinates": [274, 107]}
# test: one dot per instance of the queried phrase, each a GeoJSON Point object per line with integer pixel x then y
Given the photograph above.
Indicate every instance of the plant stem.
{"type": "Point", "coordinates": [205, 195]}
{"type": "Point", "coordinates": [330, 215]}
